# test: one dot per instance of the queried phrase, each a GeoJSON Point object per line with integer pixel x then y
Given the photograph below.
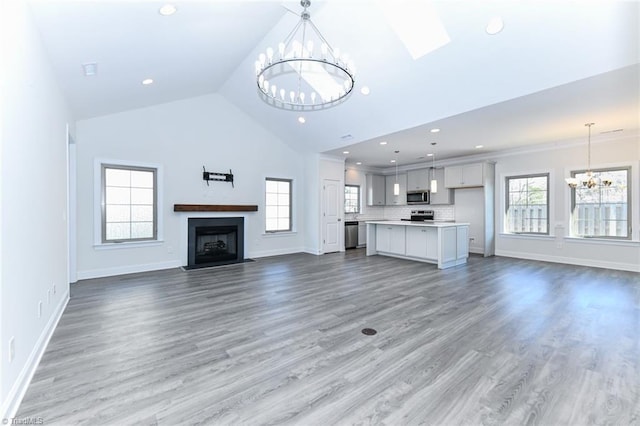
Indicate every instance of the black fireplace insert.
{"type": "Point", "coordinates": [215, 241]}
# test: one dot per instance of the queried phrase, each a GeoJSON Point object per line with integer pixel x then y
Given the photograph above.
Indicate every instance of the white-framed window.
{"type": "Point", "coordinates": [128, 196]}
{"type": "Point", "coordinates": [352, 199]}
{"type": "Point", "coordinates": [603, 211]}
{"type": "Point", "coordinates": [527, 204]}
{"type": "Point", "coordinates": [278, 204]}
{"type": "Point", "coordinates": [129, 210]}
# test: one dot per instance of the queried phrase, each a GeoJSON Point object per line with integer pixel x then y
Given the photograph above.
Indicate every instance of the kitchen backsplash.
{"type": "Point", "coordinates": [402, 212]}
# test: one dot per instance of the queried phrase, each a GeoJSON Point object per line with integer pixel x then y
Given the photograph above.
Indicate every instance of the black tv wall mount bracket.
{"type": "Point", "coordinates": [222, 177]}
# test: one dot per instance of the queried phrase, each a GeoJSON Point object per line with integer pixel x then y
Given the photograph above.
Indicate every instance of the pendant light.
{"type": "Point", "coordinates": [591, 181]}
{"type": "Point", "coordinates": [434, 182]}
{"type": "Point", "coordinates": [396, 186]}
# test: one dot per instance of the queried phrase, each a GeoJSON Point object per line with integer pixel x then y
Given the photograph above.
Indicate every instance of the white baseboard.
{"type": "Point", "coordinates": [12, 402]}
{"type": "Point", "coordinates": [312, 251]}
{"type": "Point", "coordinates": [278, 252]}
{"type": "Point", "coordinates": [571, 261]}
{"type": "Point", "coordinates": [128, 269]}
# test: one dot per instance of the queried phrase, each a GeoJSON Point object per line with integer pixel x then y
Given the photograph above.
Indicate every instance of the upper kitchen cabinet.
{"type": "Point", "coordinates": [444, 195]}
{"type": "Point", "coordinates": [376, 187]}
{"type": "Point", "coordinates": [418, 180]}
{"type": "Point", "coordinates": [396, 200]}
{"type": "Point", "coordinates": [465, 176]}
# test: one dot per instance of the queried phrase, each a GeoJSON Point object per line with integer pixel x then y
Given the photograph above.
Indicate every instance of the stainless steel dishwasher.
{"type": "Point", "coordinates": [350, 234]}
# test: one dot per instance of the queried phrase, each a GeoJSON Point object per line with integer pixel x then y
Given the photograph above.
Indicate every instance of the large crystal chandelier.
{"type": "Point", "coordinates": [304, 73]}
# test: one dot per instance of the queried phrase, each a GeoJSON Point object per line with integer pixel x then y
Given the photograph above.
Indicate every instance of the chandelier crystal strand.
{"type": "Point", "coordinates": [296, 70]}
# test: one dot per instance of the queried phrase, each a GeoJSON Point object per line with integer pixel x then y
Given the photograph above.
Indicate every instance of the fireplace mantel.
{"type": "Point", "coordinates": [214, 208]}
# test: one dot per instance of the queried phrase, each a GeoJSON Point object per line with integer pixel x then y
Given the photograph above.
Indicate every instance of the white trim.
{"type": "Point", "coordinates": [128, 269]}
{"type": "Point", "coordinates": [527, 236]}
{"type": "Point", "coordinates": [97, 197]}
{"type": "Point", "coordinates": [570, 260]}
{"type": "Point", "coordinates": [551, 194]}
{"type": "Point", "coordinates": [15, 395]}
{"type": "Point", "coordinates": [632, 203]}
{"type": "Point", "coordinates": [275, 252]}
{"type": "Point", "coordinates": [293, 220]}
{"type": "Point", "coordinates": [279, 234]}
{"type": "Point", "coordinates": [128, 244]}
{"type": "Point", "coordinates": [603, 241]}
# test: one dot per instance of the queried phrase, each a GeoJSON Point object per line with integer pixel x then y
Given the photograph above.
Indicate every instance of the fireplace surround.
{"type": "Point", "coordinates": [214, 241]}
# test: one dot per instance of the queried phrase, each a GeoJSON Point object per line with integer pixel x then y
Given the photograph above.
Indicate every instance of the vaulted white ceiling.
{"type": "Point", "coordinates": [555, 66]}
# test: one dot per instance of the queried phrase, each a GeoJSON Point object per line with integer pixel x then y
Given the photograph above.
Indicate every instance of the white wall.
{"type": "Point", "coordinates": [33, 251]}
{"type": "Point", "coordinates": [558, 247]}
{"type": "Point", "coordinates": [183, 137]}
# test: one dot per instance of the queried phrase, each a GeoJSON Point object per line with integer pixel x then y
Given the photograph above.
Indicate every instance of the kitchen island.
{"type": "Point", "coordinates": [443, 243]}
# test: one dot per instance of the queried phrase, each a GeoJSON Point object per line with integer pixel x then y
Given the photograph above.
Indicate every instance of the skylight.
{"type": "Point", "coordinates": [417, 25]}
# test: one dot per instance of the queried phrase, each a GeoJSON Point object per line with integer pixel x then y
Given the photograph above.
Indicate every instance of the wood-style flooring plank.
{"type": "Point", "coordinates": [497, 341]}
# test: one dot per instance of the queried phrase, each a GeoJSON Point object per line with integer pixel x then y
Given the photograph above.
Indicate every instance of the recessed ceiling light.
{"type": "Point", "coordinates": [393, 161]}
{"type": "Point", "coordinates": [495, 25]}
{"type": "Point", "coordinates": [302, 120]}
{"type": "Point", "coordinates": [167, 10]}
{"type": "Point", "coordinates": [383, 143]}
{"type": "Point", "coordinates": [345, 152]}
{"type": "Point", "coordinates": [90, 69]}
{"type": "Point", "coordinates": [147, 81]}
{"type": "Point", "coordinates": [359, 163]}
{"type": "Point", "coordinates": [479, 146]}
{"type": "Point", "coordinates": [434, 130]}
{"type": "Point", "coordinates": [365, 90]}
{"type": "Point", "coordinates": [429, 155]}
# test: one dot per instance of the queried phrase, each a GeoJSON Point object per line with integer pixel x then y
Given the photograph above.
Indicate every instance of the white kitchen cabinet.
{"type": "Point", "coordinates": [422, 242]}
{"type": "Point", "coordinates": [445, 244]}
{"type": "Point", "coordinates": [444, 195]}
{"type": "Point", "coordinates": [396, 200]}
{"type": "Point", "coordinates": [418, 180]}
{"type": "Point", "coordinates": [376, 188]}
{"type": "Point", "coordinates": [362, 234]}
{"type": "Point", "coordinates": [390, 239]}
{"type": "Point", "coordinates": [476, 207]}
{"type": "Point", "coordinates": [465, 176]}
{"type": "Point", "coordinates": [463, 241]}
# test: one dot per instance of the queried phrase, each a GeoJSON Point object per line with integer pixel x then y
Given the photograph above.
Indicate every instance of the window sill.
{"type": "Point", "coordinates": [571, 240]}
{"type": "Point", "coordinates": [279, 234]}
{"type": "Point", "coordinates": [129, 244]}
{"type": "Point", "coordinates": [528, 236]}
{"type": "Point", "coordinates": [602, 241]}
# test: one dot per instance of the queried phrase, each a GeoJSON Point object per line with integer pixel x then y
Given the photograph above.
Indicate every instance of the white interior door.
{"type": "Point", "coordinates": [331, 216]}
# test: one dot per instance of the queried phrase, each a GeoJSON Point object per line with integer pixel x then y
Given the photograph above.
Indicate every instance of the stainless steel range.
{"type": "Point", "coordinates": [421, 215]}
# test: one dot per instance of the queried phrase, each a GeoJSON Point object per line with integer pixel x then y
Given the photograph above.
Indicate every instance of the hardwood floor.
{"type": "Point", "coordinates": [278, 341]}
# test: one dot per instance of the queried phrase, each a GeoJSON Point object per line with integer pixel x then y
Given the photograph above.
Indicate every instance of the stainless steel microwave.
{"type": "Point", "coordinates": [417, 197]}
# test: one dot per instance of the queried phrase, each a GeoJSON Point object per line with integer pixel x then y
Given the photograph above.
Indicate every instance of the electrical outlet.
{"type": "Point", "coordinates": [40, 309]}
{"type": "Point", "coordinates": [12, 348]}
{"type": "Point", "coordinates": [169, 249]}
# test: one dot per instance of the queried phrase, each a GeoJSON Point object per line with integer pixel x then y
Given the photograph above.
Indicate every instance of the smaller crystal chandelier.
{"type": "Point", "coordinates": [591, 181]}
{"type": "Point", "coordinates": [296, 77]}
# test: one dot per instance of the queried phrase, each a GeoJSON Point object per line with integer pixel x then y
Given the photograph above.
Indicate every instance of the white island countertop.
{"type": "Point", "coordinates": [431, 223]}
{"type": "Point", "coordinates": [445, 243]}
